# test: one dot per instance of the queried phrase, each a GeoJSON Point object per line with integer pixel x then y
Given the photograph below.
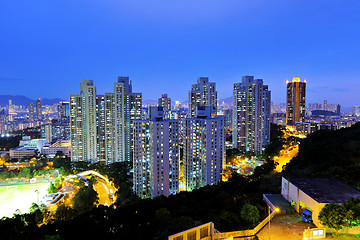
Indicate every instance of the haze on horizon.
{"type": "Point", "coordinates": [49, 47]}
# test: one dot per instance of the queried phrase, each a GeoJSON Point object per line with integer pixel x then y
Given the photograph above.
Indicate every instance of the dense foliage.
{"type": "Point", "coordinates": [323, 153]}
{"type": "Point", "coordinates": [250, 213]}
{"type": "Point", "coordinates": [159, 217]}
{"type": "Point", "coordinates": [337, 216]}
{"type": "Point", "coordinates": [329, 154]}
{"type": "Point", "coordinates": [6, 143]}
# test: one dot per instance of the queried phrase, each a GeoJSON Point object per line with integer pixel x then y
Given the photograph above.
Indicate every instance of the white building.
{"type": "Point", "coordinates": [204, 148]}
{"type": "Point", "coordinates": [59, 146]}
{"type": "Point", "coordinates": [251, 115]}
{"type": "Point", "coordinates": [101, 125]}
{"type": "Point", "coordinates": [156, 155]}
{"type": "Point", "coordinates": [314, 193]}
{"type": "Point", "coordinates": [27, 147]}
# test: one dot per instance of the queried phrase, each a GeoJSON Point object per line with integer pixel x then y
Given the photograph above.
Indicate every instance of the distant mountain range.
{"type": "Point", "coordinates": [227, 100]}
{"type": "Point", "coordinates": [24, 101]}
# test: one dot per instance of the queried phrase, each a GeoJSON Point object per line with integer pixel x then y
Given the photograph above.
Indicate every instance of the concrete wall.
{"type": "Point", "coordinates": [203, 232]}
{"type": "Point", "coordinates": [291, 193]}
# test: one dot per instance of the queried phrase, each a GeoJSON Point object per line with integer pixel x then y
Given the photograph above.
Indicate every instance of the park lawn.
{"type": "Point", "coordinates": [20, 197]}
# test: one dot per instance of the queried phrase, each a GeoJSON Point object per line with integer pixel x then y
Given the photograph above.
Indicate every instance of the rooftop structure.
{"type": "Point", "coordinates": [325, 190]}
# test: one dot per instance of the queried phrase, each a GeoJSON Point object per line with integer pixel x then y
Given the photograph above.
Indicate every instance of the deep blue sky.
{"type": "Point", "coordinates": [48, 47]}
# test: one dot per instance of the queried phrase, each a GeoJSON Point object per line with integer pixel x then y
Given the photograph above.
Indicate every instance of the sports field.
{"type": "Point", "coordinates": [20, 197]}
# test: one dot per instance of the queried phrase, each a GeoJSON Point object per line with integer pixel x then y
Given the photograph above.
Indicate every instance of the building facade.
{"type": "Point", "coordinates": [204, 148]}
{"type": "Point", "coordinates": [295, 101]}
{"type": "Point", "coordinates": [102, 125]}
{"type": "Point", "coordinates": [156, 155]}
{"type": "Point", "coordinates": [64, 110]}
{"type": "Point", "coordinates": [203, 93]}
{"type": "Point", "coordinates": [165, 102]}
{"type": "Point", "coordinates": [31, 111]}
{"type": "Point", "coordinates": [251, 115]}
{"type": "Point", "coordinates": [38, 109]}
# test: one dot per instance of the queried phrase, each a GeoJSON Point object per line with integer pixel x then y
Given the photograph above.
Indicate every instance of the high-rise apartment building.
{"type": "Point", "coordinates": [165, 102]}
{"type": "Point", "coordinates": [356, 110]}
{"type": "Point", "coordinates": [63, 110]}
{"type": "Point", "coordinates": [228, 119]}
{"type": "Point", "coordinates": [251, 115]}
{"type": "Point", "coordinates": [204, 148]}
{"type": "Point", "coordinates": [31, 111]}
{"type": "Point", "coordinates": [88, 94]}
{"type": "Point", "coordinates": [295, 101]}
{"type": "Point", "coordinates": [128, 108]}
{"type": "Point", "coordinates": [156, 155]}
{"type": "Point", "coordinates": [202, 94]}
{"type": "Point", "coordinates": [38, 109]}
{"type": "Point", "coordinates": [102, 125]}
{"type": "Point", "coordinates": [76, 128]}
{"type": "Point", "coordinates": [56, 130]}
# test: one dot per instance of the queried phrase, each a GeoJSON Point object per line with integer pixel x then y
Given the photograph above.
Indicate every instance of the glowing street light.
{"type": "Point", "coordinates": [276, 210]}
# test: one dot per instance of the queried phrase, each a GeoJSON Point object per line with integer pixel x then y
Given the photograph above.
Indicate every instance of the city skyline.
{"type": "Point", "coordinates": [164, 44]}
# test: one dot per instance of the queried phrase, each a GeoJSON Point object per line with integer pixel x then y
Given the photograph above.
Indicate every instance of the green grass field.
{"type": "Point", "coordinates": [20, 197]}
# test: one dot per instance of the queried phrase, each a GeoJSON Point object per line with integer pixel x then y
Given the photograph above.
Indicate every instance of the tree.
{"type": "Point", "coordinates": [352, 212]}
{"type": "Point", "coordinates": [37, 213]}
{"type": "Point", "coordinates": [63, 212]}
{"type": "Point", "coordinates": [250, 214]}
{"type": "Point", "coordinates": [333, 216]}
{"type": "Point", "coordinates": [85, 198]}
{"type": "Point", "coordinates": [54, 187]}
{"type": "Point", "coordinates": [25, 173]}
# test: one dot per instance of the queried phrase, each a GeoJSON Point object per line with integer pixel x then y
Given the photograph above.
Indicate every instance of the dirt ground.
{"type": "Point", "coordinates": [290, 227]}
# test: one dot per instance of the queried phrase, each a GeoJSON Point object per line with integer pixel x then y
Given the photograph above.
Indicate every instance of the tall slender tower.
{"type": "Point", "coordinates": [38, 109]}
{"type": "Point", "coordinates": [202, 94]}
{"type": "Point", "coordinates": [127, 110]}
{"type": "Point", "coordinates": [76, 128]}
{"type": "Point", "coordinates": [251, 115]}
{"type": "Point", "coordinates": [31, 111]}
{"type": "Point", "coordinates": [295, 101]}
{"type": "Point", "coordinates": [88, 93]}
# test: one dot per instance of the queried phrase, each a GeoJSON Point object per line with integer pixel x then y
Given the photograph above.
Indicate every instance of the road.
{"type": "Point", "coordinates": [104, 193]}
{"type": "Point", "coordinates": [285, 157]}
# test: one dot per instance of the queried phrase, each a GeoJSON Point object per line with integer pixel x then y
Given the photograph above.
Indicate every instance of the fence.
{"type": "Point", "coordinates": [23, 181]}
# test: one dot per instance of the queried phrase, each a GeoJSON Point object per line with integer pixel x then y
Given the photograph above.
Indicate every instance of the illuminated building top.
{"type": "Point", "coordinates": [296, 79]}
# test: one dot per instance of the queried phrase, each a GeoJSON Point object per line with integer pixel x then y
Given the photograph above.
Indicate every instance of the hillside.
{"type": "Point", "coordinates": [329, 154]}
{"type": "Point", "coordinates": [24, 101]}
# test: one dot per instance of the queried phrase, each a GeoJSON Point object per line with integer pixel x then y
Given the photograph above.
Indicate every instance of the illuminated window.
{"type": "Point", "coordinates": [319, 232]}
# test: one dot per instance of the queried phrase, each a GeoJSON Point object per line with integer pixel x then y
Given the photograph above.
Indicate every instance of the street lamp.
{"type": "Point", "coordinates": [276, 210]}
{"type": "Point", "coordinates": [37, 197]}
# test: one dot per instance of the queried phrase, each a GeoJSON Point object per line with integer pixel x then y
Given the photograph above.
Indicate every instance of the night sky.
{"type": "Point", "coordinates": [49, 46]}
